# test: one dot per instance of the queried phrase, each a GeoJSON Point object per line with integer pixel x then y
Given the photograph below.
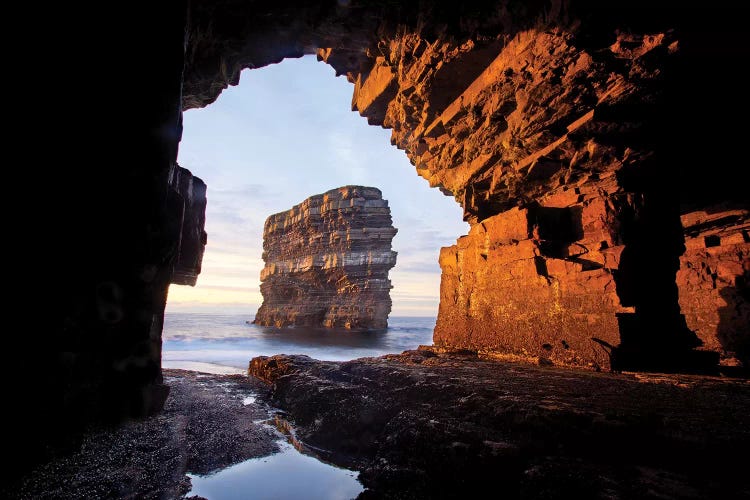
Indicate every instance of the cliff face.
{"type": "Point", "coordinates": [554, 149]}
{"type": "Point", "coordinates": [535, 283]}
{"type": "Point", "coordinates": [538, 122]}
{"type": "Point", "coordinates": [327, 262]}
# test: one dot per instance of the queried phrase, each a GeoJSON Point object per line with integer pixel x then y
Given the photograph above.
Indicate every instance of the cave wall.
{"type": "Point", "coordinates": [539, 122]}
{"type": "Point", "coordinates": [104, 222]}
{"type": "Point", "coordinates": [622, 112]}
{"type": "Point", "coordinates": [535, 284]}
{"type": "Point", "coordinates": [191, 191]}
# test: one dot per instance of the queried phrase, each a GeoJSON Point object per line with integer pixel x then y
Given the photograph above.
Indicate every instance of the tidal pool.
{"type": "Point", "coordinates": [288, 474]}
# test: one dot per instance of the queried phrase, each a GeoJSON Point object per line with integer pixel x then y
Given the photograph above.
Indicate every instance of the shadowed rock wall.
{"type": "Point", "coordinates": [327, 262]}
{"type": "Point", "coordinates": [192, 192]}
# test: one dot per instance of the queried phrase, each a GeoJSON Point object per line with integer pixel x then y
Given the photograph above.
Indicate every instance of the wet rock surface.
{"type": "Point", "coordinates": [204, 427]}
{"type": "Point", "coordinates": [429, 425]}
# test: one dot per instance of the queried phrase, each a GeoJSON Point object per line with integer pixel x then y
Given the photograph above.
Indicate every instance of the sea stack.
{"type": "Point", "coordinates": [327, 261]}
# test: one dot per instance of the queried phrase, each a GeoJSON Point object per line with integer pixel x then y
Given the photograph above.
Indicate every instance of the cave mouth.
{"type": "Point", "coordinates": [109, 241]}
{"type": "Point", "coordinates": [283, 134]}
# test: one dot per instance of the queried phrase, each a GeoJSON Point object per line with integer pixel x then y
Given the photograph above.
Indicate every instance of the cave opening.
{"type": "Point", "coordinates": [114, 263]}
{"type": "Point", "coordinates": [283, 134]}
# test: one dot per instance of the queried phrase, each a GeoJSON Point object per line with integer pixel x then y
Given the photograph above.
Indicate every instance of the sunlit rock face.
{"type": "Point", "coordinates": [554, 144]}
{"type": "Point", "coordinates": [535, 282]}
{"type": "Point", "coordinates": [327, 261]}
{"type": "Point", "coordinates": [537, 122]}
{"type": "Point", "coordinates": [714, 280]}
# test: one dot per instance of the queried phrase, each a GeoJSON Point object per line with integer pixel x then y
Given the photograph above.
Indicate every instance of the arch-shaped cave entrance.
{"type": "Point", "coordinates": [281, 136]}
{"type": "Point", "coordinates": [565, 106]}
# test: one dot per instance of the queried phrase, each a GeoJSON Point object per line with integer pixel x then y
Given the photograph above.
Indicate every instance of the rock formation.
{"type": "Point", "coordinates": [327, 262]}
{"type": "Point", "coordinates": [619, 117]}
{"type": "Point", "coordinates": [714, 280]}
{"type": "Point", "coordinates": [539, 122]}
{"type": "Point", "coordinates": [547, 127]}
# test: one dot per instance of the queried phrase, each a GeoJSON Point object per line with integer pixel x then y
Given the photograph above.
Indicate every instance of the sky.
{"type": "Point", "coordinates": [285, 133]}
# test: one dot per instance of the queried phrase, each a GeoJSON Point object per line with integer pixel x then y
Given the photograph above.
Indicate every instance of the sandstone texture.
{"type": "Point", "coordinates": [544, 144]}
{"type": "Point", "coordinates": [429, 425]}
{"type": "Point", "coordinates": [327, 261]}
{"type": "Point", "coordinates": [535, 283]}
{"type": "Point", "coordinates": [714, 280]}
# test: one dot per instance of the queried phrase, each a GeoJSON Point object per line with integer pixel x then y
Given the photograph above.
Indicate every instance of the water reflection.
{"type": "Point", "coordinates": [287, 474]}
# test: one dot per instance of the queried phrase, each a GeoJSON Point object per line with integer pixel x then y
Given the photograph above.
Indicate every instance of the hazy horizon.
{"type": "Point", "coordinates": [241, 310]}
{"type": "Point", "coordinates": [284, 134]}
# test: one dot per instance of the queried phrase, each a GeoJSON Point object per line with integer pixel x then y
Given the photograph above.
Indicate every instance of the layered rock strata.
{"type": "Point", "coordinates": [714, 280]}
{"type": "Point", "coordinates": [537, 282]}
{"type": "Point", "coordinates": [568, 134]}
{"type": "Point", "coordinates": [327, 261]}
{"type": "Point", "coordinates": [571, 134]}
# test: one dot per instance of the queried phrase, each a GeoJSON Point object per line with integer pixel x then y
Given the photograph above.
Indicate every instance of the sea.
{"type": "Point", "coordinates": [225, 343]}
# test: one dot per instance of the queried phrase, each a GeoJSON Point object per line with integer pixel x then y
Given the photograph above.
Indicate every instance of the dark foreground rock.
{"type": "Point", "coordinates": [204, 427]}
{"type": "Point", "coordinates": [428, 425]}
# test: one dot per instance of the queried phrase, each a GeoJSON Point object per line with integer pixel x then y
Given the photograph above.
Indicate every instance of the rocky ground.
{"type": "Point", "coordinates": [425, 424]}
{"type": "Point", "coordinates": [429, 425]}
{"type": "Point", "coordinates": [204, 427]}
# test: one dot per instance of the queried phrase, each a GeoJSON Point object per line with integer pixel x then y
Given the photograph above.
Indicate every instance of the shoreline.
{"type": "Point", "coordinates": [422, 424]}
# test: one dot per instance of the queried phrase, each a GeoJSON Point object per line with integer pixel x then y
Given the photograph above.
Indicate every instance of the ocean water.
{"type": "Point", "coordinates": [225, 343]}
